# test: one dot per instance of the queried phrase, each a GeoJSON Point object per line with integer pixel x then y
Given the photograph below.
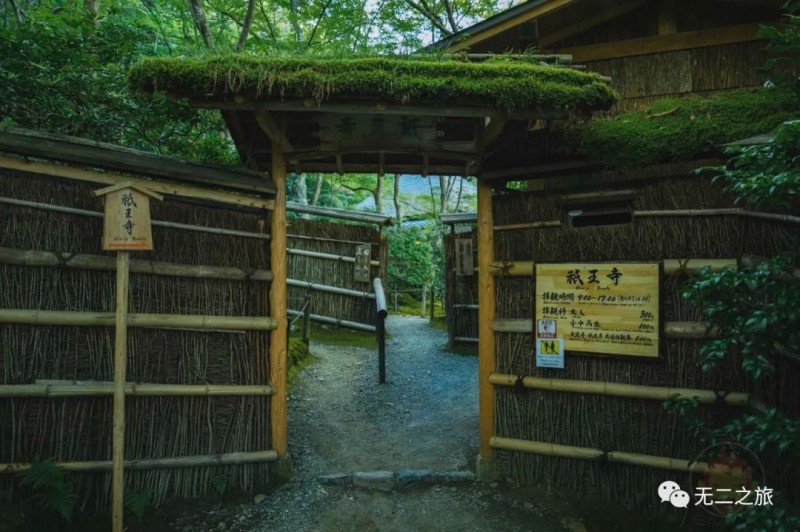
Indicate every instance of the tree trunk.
{"type": "Point", "coordinates": [442, 194]}
{"type": "Point", "coordinates": [378, 193]}
{"type": "Point", "coordinates": [91, 6]}
{"type": "Point", "coordinates": [398, 207]}
{"type": "Point", "coordinates": [19, 16]}
{"type": "Point", "coordinates": [298, 31]}
{"type": "Point", "coordinates": [300, 189]}
{"type": "Point", "coordinates": [317, 189]}
{"type": "Point", "coordinates": [248, 21]}
{"type": "Point", "coordinates": [199, 17]}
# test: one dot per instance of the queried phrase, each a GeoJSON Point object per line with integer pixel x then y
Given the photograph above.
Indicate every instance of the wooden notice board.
{"type": "Point", "coordinates": [127, 218]}
{"type": "Point", "coordinates": [607, 308]}
{"type": "Point", "coordinates": [464, 263]}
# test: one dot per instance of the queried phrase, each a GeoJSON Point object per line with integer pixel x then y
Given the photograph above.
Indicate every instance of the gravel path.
{"type": "Point", "coordinates": [341, 420]}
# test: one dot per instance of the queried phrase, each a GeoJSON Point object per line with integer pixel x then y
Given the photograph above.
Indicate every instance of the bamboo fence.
{"type": "Point", "coordinates": [613, 405]}
{"type": "Point", "coordinates": [461, 295]}
{"type": "Point", "coordinates": [202, 408]}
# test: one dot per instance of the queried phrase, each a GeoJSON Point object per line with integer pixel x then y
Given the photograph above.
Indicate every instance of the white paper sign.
{"type": "Point", "coordinates": [546, 328]}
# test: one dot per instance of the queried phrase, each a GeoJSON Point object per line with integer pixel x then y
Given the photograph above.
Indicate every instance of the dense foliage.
{"type": "Point", "coordinates": [411, 260]}
{"type": "Point", "coordinates": [756, 307]}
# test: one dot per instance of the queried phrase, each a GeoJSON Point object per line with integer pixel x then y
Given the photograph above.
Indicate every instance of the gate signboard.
{"type": "Point", "coordinates": [363, 255]}
{"type": "Point", "coordinates": [604, 308]}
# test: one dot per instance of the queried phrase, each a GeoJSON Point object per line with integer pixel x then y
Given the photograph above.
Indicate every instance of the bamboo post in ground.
{"type": "Point", "coordinates": [486, 344]}
{"type": "Point", "coordinates": [277, 303]}
{"type": "Point", "coordinates": [433, 302]}
{"type": "Point", "coordinates": [307, 320]}
{"type": "Point", "coordinates": [424, 297]}
{"type": "Point", "coordinates": [120, 367]}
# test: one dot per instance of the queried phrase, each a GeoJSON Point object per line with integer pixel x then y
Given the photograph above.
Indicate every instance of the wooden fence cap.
{"type": "Point", "coordinates": [128, 184]}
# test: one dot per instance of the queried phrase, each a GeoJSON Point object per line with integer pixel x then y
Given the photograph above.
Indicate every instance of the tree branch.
{"type": "Point", "coordinates": [316, 24]}
{"type": "Point", "coordinates": [424, 11]}
{"type": "Point", "coordinates": [199, 17]}
{"type": "Point", "coordinates": [248, 22]}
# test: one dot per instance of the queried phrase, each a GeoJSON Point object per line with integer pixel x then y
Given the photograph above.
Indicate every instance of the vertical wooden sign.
{"type": "Point", "coordinates": [126, 226]}
{"type": "Point", "coordinates": [465, 265]}
{"type": "Point", "coordinates": [363, 255]}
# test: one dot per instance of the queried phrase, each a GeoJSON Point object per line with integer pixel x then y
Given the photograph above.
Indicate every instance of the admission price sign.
{"type": "Point", "coordinates": [605, 308]}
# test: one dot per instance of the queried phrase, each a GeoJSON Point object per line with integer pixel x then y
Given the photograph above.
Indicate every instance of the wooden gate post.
{"type": "Point", "coordinates": [277, 308]}
{"type": "Point", "coordinates": [486, 342]}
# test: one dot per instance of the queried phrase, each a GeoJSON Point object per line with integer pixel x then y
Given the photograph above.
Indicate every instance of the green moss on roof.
{"type": "Point", "coordinates": [503, 83]}
{"type": "Point", "coordinates": [687, 128]}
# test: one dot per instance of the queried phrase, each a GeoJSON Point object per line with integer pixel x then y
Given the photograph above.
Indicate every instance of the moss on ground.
{"type": "Point", "coordinates": [681, 129]}
{"type": "Point", "coordinates": [299, 357]}
{"type": "Point", "coordinates": [327, 334]}
{"type": "Point", "coordinates": [502, 82]}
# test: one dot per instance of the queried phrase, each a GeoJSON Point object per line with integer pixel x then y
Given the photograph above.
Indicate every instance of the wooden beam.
{"type": "Point", "coordinates": [674, 330]}
{"type": "Point", "coordinates": [667, 21]}
{"type": "Point", "coordinates": [420, 109]}
{"type": "Point", "coordinates": [542, 9]}
{"type": "Point", "coordinates": [459, 218]}
{"type": "Point", "coordinates": [120, 368]}
{"type": "Point", "coordinates": [311, 155]}
{"type": "Point", "coordinates": [486, 315]}
{"type": "Point", "coordinates": [270, 126]}
{"type": "Point", "coordinates": [425, 164]}
{"type": "Point", "coordinates": [340, 214]}
{"type": "Point", "coordinates": [107, 178]}
{"type": "Point", "coordinates": [490, 132]}
{"type": "Point", "coordinates": [582, 25]}
{"type": "Point", "coordinates": [277, 304]}
{"type": "Point", "coordinates": [667, 43]}
{"type": "Point", "coordinates": [392, 168]}
{"type": "Point", "coordinates": [95, 154]}
{"type": "Point", "coordinates": [671, 266]}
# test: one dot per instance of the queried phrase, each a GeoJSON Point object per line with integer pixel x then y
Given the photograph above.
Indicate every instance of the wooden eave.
{"type": "Point", "coordinates": [91, 154]}
{"type": "Point", "coordinates": [360, 135]}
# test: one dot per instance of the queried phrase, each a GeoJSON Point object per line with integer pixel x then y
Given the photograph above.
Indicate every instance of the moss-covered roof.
{"type": "Point", "coordinates": [501, 83]}
{"type": "Point", "coordinates": [682, 129]}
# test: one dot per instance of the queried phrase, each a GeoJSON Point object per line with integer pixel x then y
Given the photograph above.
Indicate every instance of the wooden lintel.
{"type": "Point", "coordinates": [667, 43]}
{"type": "Point", "coordinates": [311, 155]}
{"type": "Point", "coordinates": [425, 164]}
{"type": "Point", "coordinates": [667, 20]}
{"type": "Point", "coordinates": [605, 15]}
{"type": "Point", "coordinates": [435, 110]}
{"type": "Point", "coordinates": [490, 132]}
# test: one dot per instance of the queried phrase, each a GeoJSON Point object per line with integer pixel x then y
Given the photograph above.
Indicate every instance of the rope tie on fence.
{"type": "Point", "coordinates": [719, 398]}
{"type": "Point", "coordinates": [301, 311]}
{"type": "Point", "coordinates": [603, 459]}
{"type": "Point", "coordinates": [683, 267]}
{"type": "Point", "coordinates": [248, 273]}
{"type": "Point", "coordinates": [504, 268]}
{"type": "Point", "coordinates": [64, 258]}
{"type": "Point", "coordinates": [519, 385]}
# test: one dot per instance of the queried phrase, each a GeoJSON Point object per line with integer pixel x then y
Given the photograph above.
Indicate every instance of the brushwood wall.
{"type": "Point", "coordinates": [461, 293]}
{"type": "Point", "coordinates": [622, 424]}
{"type": "Point", "coordinates": [333, 268]}
{"type": "Point", "coordinates": [78, 429]}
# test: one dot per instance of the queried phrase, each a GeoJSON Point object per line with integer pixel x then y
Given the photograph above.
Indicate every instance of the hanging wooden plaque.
{"type": "Point", "coordinates": [464, 257]}
{"type": "Point", "coordinates": [363, 256]}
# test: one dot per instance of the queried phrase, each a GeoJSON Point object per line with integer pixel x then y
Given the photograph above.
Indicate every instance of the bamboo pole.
{"type": "Point", "coordinates": [486, 315]}
{"type": "Point", "coordinates": [588, 453]}
{"type": "Point", "coordinates": [529, 225]}
{"type": "Point", "coordinates": [277, 301]}
{"type": "Point", "coordinates": [152, 321]}
{"type": "Point", "coordinates": [686, 212]}
{"type": "Point", "coordinates": [330, 289]}
{"type": "Point", "coordinates": [671, 266]}
{"type": "Point", "coordinates": [156, 463]}
{"type": "Point", "coordinates": [327, 256]}
{"type": "Point", "coordinates": [120, 367]}
{"type": "Point", "coordinates": [622, 390]}
{"type": "Point", "coordinates": [689, 330]}
{"type": "Point", "coordinates": [335, 321]}
{"type": "Point", "coordinates": [108, 178]}
{"type": "Point", "coordinates": [465, 340]}
{"type": "Point", "coordinates": [160, 223]}
{"type": "Point", "coordinates": [93, 389]}
{"type": "Point", "coordinates": [98, 262]}
{"type": "Point", "coordinates": [317, 239]}
{"type": "Point", "coordinates": [770, 216]}
{"type": "Point", "coordinates": [465, 306]}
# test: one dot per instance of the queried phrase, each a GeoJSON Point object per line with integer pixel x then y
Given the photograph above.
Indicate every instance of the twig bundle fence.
{"type": "Point", "coordinates": [214, 429]}
{"type": "Point", "coordinates": [318, 254]}
{"type": "Point", "coordinates": [608, 422]}
{"type": "Point", "coordinates": [461, 294]}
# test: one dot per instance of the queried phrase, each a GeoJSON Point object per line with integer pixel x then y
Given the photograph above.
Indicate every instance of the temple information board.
{"type": "Point", "coordinates": [606, 308]}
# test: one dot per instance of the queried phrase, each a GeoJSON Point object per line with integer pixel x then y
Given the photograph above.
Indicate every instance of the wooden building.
{"type": "Point", "coordinates": [597, 426]}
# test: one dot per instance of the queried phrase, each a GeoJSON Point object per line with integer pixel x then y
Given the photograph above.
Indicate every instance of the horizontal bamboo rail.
{"type": "Point", "coordinates": [64, 389]}
{"type": "Point", "coordinates": [158, 223]}
{"type": "Point", "coordinates": [671, 266]}
{"type": "Point", "coordinates": [588, 453]}
{"type": "Point", "coordinates": [333, 321]}
{"type": "Point", "coordinates": [327, 256]}
{"type": "Point", "coordinates": [529, 225]}
{"type": "Point", "coordinates": [686, 212]}
{"type": "Point", "coordinates": [336, 240]}
{"type": "Point", "coordinates": [465, 340]}
{"type": "Point", "coordinates": [99, 262]}
{"type": "Point", "coordinates": [330, 289]}
{"type": "Point", "coordinates": [152, 321]}
{"type": "Point", "coordinates": [770, 216]}
{"type": "Point", "coordinates": [690, 330]}
{"type": "Point", "coordinates": [470, 306]}
{"type": "Point", "coordinates": [339, 214]}
{"type": "Point", "coordinates": [614, 389]}
{"type": "Point", "coordinates": [156, 463]}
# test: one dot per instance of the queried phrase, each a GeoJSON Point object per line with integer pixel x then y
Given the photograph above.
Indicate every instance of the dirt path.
{"type": "Point", "coordinates": [341, 420]}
